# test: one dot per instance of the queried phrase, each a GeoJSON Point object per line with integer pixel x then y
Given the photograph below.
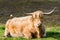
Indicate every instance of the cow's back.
{"type": "Point", "coordinates": [18, 25]}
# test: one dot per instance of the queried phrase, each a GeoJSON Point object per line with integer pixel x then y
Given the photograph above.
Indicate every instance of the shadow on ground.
{"type": "Point", "coordinates": [55, 35]}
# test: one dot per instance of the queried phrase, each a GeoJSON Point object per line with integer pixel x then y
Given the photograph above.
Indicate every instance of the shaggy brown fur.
{"type": "Point", "coordinates": [25, 26]}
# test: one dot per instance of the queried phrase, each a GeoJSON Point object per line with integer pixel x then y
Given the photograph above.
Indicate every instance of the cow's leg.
{"type": "Point", "coordinates": [38, 33]}
{"type": "Point", "coordinates": [27, 34]}
{"type": "Point", "coordinates": [7, 33]}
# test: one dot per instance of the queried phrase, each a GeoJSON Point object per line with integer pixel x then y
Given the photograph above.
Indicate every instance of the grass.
{"type": "Point", "coordinates": [53, 33]}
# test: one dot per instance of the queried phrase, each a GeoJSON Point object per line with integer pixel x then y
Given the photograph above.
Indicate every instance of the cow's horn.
{"type": "Point", "coordinates": [50, 11]}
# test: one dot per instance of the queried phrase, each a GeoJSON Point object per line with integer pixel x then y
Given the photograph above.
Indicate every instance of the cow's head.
{"type": "Point", "coordinates": [37, 16]}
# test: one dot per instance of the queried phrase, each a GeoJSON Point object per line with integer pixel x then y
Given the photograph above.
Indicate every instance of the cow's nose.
{"type": "Point", "coordinates": [39, 23]}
